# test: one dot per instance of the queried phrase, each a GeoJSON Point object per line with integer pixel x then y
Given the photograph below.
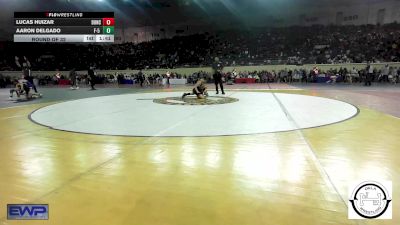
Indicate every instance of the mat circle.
{"type": "Point", "coordinates": [193, 100]}
{"type": "Point", "coordinates": [138, 115]}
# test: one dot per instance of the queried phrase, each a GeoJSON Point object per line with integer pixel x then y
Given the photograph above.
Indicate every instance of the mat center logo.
{"type": "Point", "coordinates": [371, 200]}
{"type": "Point", "coordinates": [212, 100]}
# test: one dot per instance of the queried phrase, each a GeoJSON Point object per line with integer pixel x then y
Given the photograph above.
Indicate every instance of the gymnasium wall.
{"type": "Point", "coordinates": [189, 71]}
{"type": "Point", "coordinates": [353, 13]}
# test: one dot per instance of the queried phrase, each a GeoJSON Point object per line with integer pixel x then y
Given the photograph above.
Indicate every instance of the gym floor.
{"type": "Point", "coordinates": [292, 176]}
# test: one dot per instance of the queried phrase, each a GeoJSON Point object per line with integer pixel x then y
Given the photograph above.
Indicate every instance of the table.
{"type": "Point", "coordinates": [124, 81]}
{"type": "Point", "coordinates": [322, 79]}
{"type": "Point", "coordinates": [64, 82]}
{"type": "Point", "coordinates": [245, 80]}
{"type": "Point", "coordinates": [177, 81]}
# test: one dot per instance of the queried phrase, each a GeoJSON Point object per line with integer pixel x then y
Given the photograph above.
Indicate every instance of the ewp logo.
{"type": "Point", "coordinates": [27, 212]}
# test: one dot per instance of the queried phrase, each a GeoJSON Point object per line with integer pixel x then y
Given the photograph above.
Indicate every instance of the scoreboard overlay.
{"type": "Point", "coordinates": [64, 27]}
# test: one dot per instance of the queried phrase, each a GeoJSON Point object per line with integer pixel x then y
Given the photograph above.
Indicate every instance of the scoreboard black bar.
{"type": "Point", "coordinates": [64, 26]}
{"type": "Point", "coordinates": [63, 14]}
{"type": "Point", "coordinates": [59, 22]}
{"type": "Point", "coordinates": [59, 30]}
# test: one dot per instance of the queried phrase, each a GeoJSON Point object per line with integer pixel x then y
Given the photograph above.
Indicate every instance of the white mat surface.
{"type": "Point", "coordinates": [255, 112]}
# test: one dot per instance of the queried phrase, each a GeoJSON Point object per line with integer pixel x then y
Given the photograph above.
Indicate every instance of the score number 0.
{"type": "Point", "coordinates": [108, 21]}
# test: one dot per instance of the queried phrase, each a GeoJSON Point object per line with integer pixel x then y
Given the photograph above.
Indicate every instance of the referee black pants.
{"type": "Point", "coordinates": [219, 82]}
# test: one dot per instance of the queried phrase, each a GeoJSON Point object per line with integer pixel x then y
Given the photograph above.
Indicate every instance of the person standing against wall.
{"type": "Point", "coordinates": [369, 74]}
{"type": "Point", "coordinates": [217, 68]}
{"type": "Point", "coordinates": [72, 77]}
{"type": "Point", "coordinates": [92, 77]}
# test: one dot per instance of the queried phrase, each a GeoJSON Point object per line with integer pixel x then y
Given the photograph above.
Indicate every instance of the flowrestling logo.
{"type": "Point", "coordinates": [27, 212]}
{"type": "Point", "coordinates": [370, 200]}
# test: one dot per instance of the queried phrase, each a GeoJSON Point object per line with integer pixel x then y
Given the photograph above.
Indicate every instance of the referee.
{"type": "Point", "coordinates": [92, 77]}
{"type": "Point", "coordinates": [217, 74]}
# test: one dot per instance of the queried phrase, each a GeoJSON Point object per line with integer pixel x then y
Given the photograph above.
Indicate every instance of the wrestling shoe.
{"type": "Point", "coordinates": [184, 95]}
